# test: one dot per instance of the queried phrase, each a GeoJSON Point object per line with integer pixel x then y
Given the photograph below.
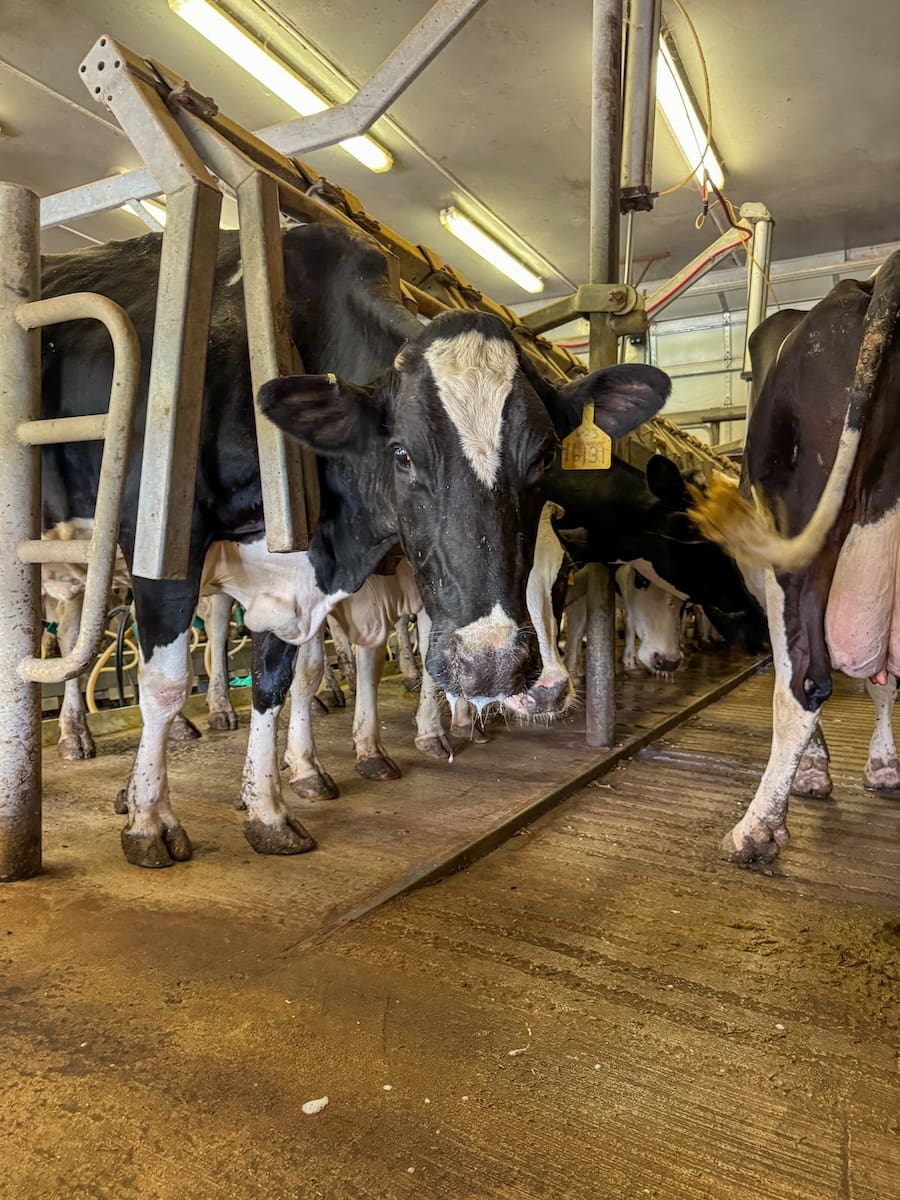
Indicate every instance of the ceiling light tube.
{"type": "Point", "coordinates": [476, 239]}
{"type": "Point", "coordinates": [687, 127]}
{"type": "Point", "coordinates": [249, 54]}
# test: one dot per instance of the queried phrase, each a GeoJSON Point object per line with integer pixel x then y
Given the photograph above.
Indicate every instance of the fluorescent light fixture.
{"type": "Point", "coordinates": [476, 239]}
{"type": "Point", "coordinates": [688, 129]}
{"type": "Point", "coordinates": [249, 54]}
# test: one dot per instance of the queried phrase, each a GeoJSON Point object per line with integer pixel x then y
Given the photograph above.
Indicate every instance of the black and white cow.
{"type": "Point", "coordinates": [624, 515]}
{"type": "Point", "coordinates": [818, 515]}
{"type": "Point", "coordinates": [431, 439]}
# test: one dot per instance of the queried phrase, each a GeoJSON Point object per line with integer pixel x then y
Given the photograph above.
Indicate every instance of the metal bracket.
{"type": "Point", "coordinates": [130, 89]}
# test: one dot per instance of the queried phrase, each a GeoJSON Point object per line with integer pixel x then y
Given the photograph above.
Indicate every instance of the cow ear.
{"type": "Point", "coordinates": [325, 413]}
{"type": "Point", "coordinates": [623, 396]}
{"type": "Point", "coordinates": [666, 482]}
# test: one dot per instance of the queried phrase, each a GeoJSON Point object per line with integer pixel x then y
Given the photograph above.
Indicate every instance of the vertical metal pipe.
{"type": "Point", "coordinates": [629, 247]}
{"type": "Point", "coordinates": [20, 724]}
{"type": "Point", "coordinates": [600, 664]}
{"type": "Point", "coordinates": [640, 104]}
{"type": "Point", "coordinates": [606, 158]}
{"type": "Point", "coordinates": [758, 268]}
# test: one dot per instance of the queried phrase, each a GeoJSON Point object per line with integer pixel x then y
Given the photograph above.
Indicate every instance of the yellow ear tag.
{"type": "Point", "coordinates": [587, 448]}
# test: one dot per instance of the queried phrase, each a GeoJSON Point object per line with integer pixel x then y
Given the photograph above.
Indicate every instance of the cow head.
{"type": "Point", "coordinates": [655, 614]}
{"type": "Point", "coordinates": [454, 440]}
{"type": "Point", "coordinates": [697, 567]}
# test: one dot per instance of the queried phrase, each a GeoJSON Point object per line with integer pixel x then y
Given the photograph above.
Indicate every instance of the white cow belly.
{"type": "Point", "coordinates": [278, 592]}
{"type": "Point", "coordinates": [862, 618]}
{"type": "Point", "coordinates": [369, 615]}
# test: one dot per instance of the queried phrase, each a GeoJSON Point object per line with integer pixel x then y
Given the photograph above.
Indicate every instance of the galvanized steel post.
{"type": "Point", "coordinates": [606, 154]}
{"type": "Point", "coordinates": [20, 725]}
{"type": "Point", "coordinates": [759, 265]}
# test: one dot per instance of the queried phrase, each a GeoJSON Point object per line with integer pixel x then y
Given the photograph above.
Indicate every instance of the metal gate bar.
{"type": "Point", "coordinates": [21, 547]}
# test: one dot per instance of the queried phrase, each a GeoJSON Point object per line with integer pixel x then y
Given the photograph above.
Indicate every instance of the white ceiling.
{"type": "Point", "coordinates": [804, 105]}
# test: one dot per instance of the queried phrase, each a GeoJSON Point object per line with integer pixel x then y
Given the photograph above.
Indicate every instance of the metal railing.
{"type": "Point", "coordinates": [22, 550]}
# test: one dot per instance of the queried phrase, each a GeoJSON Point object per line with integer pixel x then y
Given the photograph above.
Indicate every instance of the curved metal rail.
{"type": "Point", "coordinates": [97, 553]}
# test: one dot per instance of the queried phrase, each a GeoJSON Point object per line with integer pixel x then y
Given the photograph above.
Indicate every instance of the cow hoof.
{"type": "Point", "coordinates": [240, 805]}
{"type": "Point", "coordinates": [760, 844]}
{"type": "Point", "coordinates": [412, 683]}
{"type": "Point", "coordinates": [76, 747]}
{"type": "Point", "coordinates": [289, 837]}
{"type": "Point", "coordinates": [882, 776]}
{"type": "Point", "coordinates": [121, 803]}
{"type": "Point", "coordinates": [377, 767]}
{"type": "Point", "coordinates": [337, 695]}
{"type": "Point", "coordinates": [437, 746]}
{"type": "Point", "coordinates": [812, 781]}
{"type": "Point", "coordinates": [223, 721]}
{"type": "Point", "coordinates": [155, 850]}
{"type": "Point", "coordinates": [317, 786]}
{"type": "Point", "coordinates": [319, 707]}
{"type": "Point", "coordinates": [183, 730]}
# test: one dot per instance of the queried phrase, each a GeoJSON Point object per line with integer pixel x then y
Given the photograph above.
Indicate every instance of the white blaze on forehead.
{"type": "Point", "coordinates": [473, 375]}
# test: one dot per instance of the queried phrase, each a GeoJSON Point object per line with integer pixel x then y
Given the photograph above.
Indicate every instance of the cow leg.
{"type": "Point", "coordinates": [464, 724]}
{"type": "Point", "coordinates": [308, 777]}
{"type": "Point", "coordinates": [334, 687]}
{"type": "Point", "coordinates": [218, 695]}
{"type": "Point", "coordinates": [576, 622]}
{"type": "Point", "coordinates": [372, 761]}
{"type": "Point", "coordinates": [430, 736]}
{"type": "Point", "coordinates": [269, 827]}
{"type": "Point", "coordinates": [629, 652]}
{"type": "Point", "coordinates": [812, 778]}
{"type": "Point", "coordinates": [882, 768]}
{"type": "Point", "coordinates": [75, 741]}
{"type": "Point", "coordinates": [762, 830]}
{"type": "Point", "coordinates": [153, 835]}
{"type": "Point", "coordinates": [407, 660]}
{"type": "Point", "coordinates": [344, 652]}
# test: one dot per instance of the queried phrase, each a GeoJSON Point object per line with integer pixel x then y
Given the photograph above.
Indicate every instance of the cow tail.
{"type": "Point", "coordinates": [748, 531]}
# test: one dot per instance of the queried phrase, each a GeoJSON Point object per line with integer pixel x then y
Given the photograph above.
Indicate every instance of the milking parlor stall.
{"type": "Point", "coordinates": [448, 553]}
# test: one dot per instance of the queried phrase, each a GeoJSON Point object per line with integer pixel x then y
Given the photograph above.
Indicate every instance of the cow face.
{"type": "Point", "coordinates": [697, 567]}
{"type": "Point", "coordinates": [463, 429]}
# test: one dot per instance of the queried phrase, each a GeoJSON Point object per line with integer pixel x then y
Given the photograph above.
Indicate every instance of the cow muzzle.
{"type": "Point", "coordinates": [492, 658]}
{"type": "Point", "coordinates": [551, 695]}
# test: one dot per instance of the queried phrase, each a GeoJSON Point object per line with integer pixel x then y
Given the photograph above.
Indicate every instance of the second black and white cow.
{"type": "Point", "coordinates": [433, 440]}
{"type": "Point", "coordinates": [624, 515]}
{"type": "Point", "coordinates": [819, 518]}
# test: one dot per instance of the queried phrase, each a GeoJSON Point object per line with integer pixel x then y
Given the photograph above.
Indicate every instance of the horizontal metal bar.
{"type": "Point", "coordinates": [46, 550]}
{"type": "Point", "coordinates": [703, 416]}
{"type": "Point", "coordinates": [80, 306]}
{"type": "Point", "coordinates": [552, 315]}
{"type": "Point", "coordinates": [734, 447]}
{"type": "Point", "coordinates": [54, 430]}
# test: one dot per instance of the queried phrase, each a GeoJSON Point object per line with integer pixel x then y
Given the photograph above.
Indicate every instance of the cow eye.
{"type": "Point", "coordinates": [542, 463]}
{"type": "Point", "coordinates": [640, 581]}
{"type": "Point", "coordinates": [402, 459]}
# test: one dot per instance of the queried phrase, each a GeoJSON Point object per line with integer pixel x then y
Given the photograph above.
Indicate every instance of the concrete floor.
{"type": "Point", "coordinates": [600, 1008]}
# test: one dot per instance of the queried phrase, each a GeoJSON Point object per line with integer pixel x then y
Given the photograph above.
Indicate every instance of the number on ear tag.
{"type": "Point", "coordinates": [587, 448]}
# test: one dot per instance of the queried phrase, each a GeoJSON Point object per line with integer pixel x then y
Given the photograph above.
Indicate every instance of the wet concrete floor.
{"type": "Point", "coordinates": [600, 1008]}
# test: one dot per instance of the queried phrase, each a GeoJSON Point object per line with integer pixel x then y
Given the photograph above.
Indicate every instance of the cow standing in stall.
{"type": "Point", "coordinates": [818, 517]}
{"type": "Point", "coordinates": [431, 439]}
